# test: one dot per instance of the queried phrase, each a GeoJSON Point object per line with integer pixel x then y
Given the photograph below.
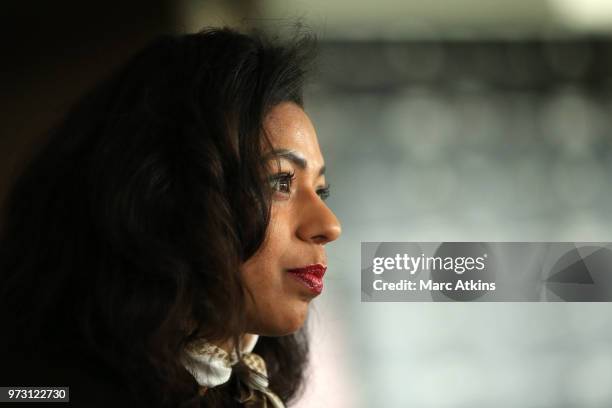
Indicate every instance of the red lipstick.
{"type": "Point", "coordinates": [311, 276]}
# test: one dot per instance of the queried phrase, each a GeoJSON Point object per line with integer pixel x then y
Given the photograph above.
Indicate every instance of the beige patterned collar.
{"type": "Point", "coordinates": [212, 366]}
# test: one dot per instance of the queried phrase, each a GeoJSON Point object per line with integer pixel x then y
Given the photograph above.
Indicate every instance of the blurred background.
{"type": "Point", "coordinates": [470, 120]}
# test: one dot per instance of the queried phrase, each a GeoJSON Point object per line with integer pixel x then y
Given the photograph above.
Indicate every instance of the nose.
{"type": "Point", "coordinates": [318, 223]}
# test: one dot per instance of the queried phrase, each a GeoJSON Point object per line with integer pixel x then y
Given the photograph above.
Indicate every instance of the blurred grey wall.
{"type": "Point", "coordinates": [457, 140]}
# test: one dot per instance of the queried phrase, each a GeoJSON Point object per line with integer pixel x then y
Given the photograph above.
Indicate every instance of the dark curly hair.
{"type": "Point", "coordinates": [123, 237]}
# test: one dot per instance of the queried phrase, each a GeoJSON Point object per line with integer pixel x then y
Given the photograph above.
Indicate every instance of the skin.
{"type": "Point", "coordinates": [301, 225]}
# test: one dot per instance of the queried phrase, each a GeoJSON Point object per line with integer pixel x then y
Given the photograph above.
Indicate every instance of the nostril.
{"type": "Point", "coordinates": [319, 239]}
{"type": "Point", "coordinates": [324, 238]}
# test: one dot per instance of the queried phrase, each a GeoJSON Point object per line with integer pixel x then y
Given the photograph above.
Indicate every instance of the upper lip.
{"type": "Point", "coordinates": [316, 269]}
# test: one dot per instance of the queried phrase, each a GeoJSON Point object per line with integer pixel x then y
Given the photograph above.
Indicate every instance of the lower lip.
{"type": "Point", "coordinates": [310, 280]}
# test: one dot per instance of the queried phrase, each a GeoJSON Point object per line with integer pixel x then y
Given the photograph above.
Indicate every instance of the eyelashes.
{"type": "Point", "coordinates": [324, 192]}
{"type": "Point", "coordinates": [282, 182]}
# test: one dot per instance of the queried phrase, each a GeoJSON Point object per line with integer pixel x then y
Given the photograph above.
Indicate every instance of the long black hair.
{"type": "Point", "coordinates": [124, 235]}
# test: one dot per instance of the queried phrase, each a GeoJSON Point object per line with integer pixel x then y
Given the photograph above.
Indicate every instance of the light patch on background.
{"type": "Point", "coordinates": [593, 14]}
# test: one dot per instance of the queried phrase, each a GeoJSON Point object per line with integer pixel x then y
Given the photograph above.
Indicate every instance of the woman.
{"type": "Point", "coordinates": [163, 248]}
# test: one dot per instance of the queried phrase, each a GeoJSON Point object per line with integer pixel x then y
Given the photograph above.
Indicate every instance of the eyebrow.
{"type": "Point", "coordinates": [294, 157]}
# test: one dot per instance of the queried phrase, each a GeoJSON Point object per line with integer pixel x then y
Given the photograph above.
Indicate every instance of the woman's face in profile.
{"type": "Point", "coordinates": [286, 273]}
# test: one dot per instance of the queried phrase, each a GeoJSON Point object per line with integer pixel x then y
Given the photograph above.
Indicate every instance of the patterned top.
{"type": "Point", "coordinates": [212, 366]}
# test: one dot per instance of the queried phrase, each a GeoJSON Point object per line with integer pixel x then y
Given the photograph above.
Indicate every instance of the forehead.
{"type": "Point", "coordinates": [289, 127]}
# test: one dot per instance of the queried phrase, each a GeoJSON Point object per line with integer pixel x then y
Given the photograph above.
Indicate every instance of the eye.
{"type": "Point", "coordinates": [323, 192]}
{"type": "Point", "coordinates": [281, 182]}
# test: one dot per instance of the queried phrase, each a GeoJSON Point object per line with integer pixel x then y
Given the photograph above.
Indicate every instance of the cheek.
{"type": "Point", "coordinates": [263, 272]}
{"type": "Point", "coordinates": [276, 246]}
{"type": "Point", "coordinates": [275, 308]}
{"type": "Point", "coordinates": [269, 257]}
